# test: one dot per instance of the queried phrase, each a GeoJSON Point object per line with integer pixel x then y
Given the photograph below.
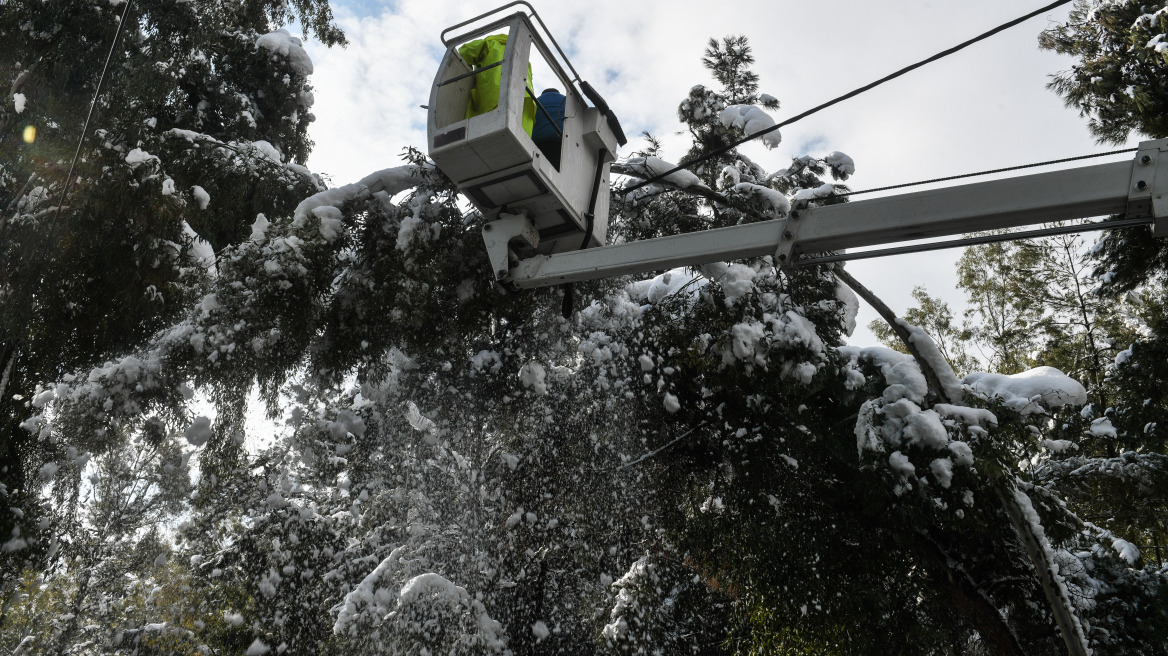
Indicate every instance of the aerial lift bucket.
{"type": "Point", "coordinates": [530, 205]}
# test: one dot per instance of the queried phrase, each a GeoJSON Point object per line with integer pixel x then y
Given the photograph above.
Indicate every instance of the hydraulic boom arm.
{"type": "Point", "coordinates": [1137, 189]}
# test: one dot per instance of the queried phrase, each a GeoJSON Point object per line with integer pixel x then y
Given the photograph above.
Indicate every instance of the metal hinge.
{"type": "Point", "coordinates": [497, 236]}
{"type": "Point", "coordinates": [785, 252]}
{"type": "Point", "coordinates": [1149, 186]}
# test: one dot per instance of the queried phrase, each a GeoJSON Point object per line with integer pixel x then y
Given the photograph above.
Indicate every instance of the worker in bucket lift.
{"type": "Point", "coordinates": [484, 96]}
{"type": "Point", "coordinates": [549, 126]}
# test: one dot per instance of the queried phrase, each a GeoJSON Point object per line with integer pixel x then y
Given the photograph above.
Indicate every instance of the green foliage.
{"type": "Point", "coordinates": [1140, 380]}
{"type": "Point", "coordinates": [1117, 80]}
{"type": "Point", "coordinates": [1081, 329]}
{"type": "Point", "coordinates": [1034, 303]}
{"type": "Point", "coordinates": [195, 131]}
{"type": "Point", "coordinates": [1121, 63]}
{"type": "Point", "coordinates": [932, 315]}
{"type": "Point", "coordinates": [187, 97]}
{"type": "Point", "coordinates": [1002, 316]}
{"type": "Point", "coordinates": [730, 62]}
{"type": "Point", "coordinates": [661, 603]}
{"type": "Point", "coordinates": [1087, 335]}
{"type": "Point", "coordinates": [1129, 259]}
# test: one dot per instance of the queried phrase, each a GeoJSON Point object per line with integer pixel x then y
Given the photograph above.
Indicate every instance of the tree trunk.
{"type": "Point", "coordinates": [1060, 604]}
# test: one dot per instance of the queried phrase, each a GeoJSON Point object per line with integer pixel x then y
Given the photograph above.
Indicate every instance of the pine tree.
{"type": "Point", "coordinates": [1121, 54]}
{"type": "Point", "coordinates": [1118, 82]}
{"type": "Point", "coordinates": [199, 123]}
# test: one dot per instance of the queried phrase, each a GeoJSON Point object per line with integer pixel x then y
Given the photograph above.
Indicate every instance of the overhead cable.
{"type": "Point", "coordinates": [89, 117]}
{"type": "Point", "coordinates": [993, 238]}
{"type": "Point", "coordinates": [945, 53]}
{"type": "Point", "coordinates": [989, 172]}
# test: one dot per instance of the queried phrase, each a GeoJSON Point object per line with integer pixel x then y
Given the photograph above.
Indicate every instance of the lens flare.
{"type": "Point", "coordinates": [29, 134]}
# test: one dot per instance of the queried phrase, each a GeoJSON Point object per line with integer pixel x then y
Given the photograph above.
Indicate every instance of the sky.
{"type": "Point", "coordinates": [983, 108]}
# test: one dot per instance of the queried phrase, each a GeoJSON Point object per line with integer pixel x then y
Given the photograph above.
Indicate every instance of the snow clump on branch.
{"type": "Point", "coordinates": [895, 422]}
{"type": "Point", "coordinates": [776, 202]}
{"type": "Point", "coordinates": [1029, 392]}
{"type": "Point", "coordinates": [392, 181]}
{"type": "Point", "coordinates": [842, 165]}
{"type": "Point", "coordinates": [285, 45]}
{"type": "Point", "coordinates": [751, 120]}
{"type": "Point", "coordinates": [650, 167]}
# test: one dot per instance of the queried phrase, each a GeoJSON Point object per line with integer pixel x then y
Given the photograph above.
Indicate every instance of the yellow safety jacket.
{"type": "Point", "coordinates": [484, 96]}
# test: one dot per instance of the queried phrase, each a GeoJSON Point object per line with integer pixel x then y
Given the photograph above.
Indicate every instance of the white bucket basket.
{"type": "Point", "coordinates": [494, 161]}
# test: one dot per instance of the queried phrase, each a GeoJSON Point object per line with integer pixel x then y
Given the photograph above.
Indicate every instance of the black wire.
{"type": "Point", "coordinates": [43, 255]}
{"type": "Point", "coordinates": [974, 241]}
{"type": "Point", "coordinates": [989, 172]}
{"type": "Point", "coordinates": [907, 69]}
{"type": "Point", "coordinates": [89, 117]}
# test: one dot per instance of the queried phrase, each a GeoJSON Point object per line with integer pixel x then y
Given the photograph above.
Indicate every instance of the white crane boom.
{"type": "Point", "coordinates": [1136, 188]}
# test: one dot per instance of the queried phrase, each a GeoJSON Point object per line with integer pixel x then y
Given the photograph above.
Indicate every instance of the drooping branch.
{"type": "Point", "coordinates": [1007, 491]}
{"type": "Point", "coordinates": [936, 390]}
{"type": "Point", "coordinates": [695, 189]}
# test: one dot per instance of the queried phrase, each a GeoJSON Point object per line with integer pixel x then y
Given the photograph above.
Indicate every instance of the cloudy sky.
{"type": "Point", "coordinates": [985, 107]}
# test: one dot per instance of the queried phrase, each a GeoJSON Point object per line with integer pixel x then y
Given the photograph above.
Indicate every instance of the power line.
{"type": "Point", "coordinates": [43, 251]}
{"type": "Point", "coordinates": [89, 117]}
{"type": "Point", "coordinates": [974, 241]}
{"type": "Point", "coordinates": [989, 172]}
{"type": "Point", "coordinates": [907, 69]}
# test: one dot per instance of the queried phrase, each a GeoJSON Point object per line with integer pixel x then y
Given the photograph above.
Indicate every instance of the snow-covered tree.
{"type": "Point", "coordinates": [691, 462]}
{"type": "Point", "coordinates": [1109, 476]}
{"type": "Point", "coordinates": [1121, 60]}
{"type": "Point", "coordinates": [1117, 80]}
{"type": "Point", "coordinates": [200, 120]}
